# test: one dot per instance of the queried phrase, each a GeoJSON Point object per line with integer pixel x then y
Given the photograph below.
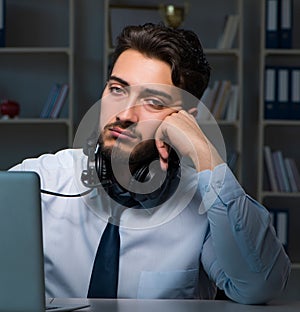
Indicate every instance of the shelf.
{"type": "Point", "coordinates": [22, 50]}
{"type": "Point", "coordinates": [280, 122]}
{"type": "Point", "coordinates": [35, 121]}
{"type": "Point", "coordinates": [279, 134]}
{"type": "Point", "coordinates": [280, 194]}
{"type": "Point", "coordinates": [29, 67]}
{"type": "Point", "coordinates": [267, 52]}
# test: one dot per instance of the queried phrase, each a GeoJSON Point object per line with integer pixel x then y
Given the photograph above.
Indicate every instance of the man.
{"type": "Point", "coordinates": [189, 230]}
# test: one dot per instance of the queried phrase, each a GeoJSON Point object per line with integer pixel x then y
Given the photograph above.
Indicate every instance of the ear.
{"type": "Point", "coordinates": [193, 111]}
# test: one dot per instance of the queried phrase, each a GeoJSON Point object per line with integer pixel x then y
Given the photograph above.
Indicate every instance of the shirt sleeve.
{"type": "Point", "coordinates": [242, 254]}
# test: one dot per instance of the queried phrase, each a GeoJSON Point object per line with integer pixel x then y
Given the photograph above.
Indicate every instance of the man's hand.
{"type": "Point", "coordinates": [181, 131]}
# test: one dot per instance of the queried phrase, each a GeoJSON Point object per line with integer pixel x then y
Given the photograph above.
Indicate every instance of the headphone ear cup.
{"type": "Point", "coordinates": [142, 174]}
{"type": "Point", "coordinates": [89, 177]}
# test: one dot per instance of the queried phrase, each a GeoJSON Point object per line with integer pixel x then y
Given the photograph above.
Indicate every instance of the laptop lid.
{"type": "Point", "coordinates": [22, 287]}
{"type": "Point", "coordinates": [21, 261]}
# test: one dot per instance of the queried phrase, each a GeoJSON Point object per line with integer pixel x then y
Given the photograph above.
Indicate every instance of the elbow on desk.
{"type": "Point", "coordinates": [262, 290]}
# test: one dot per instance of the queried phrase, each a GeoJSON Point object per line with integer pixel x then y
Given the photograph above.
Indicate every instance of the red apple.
{"type": "Point", "coordinates": [9, 108]}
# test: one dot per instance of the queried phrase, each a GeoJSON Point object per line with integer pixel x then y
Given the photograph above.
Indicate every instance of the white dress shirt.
{"type": "Point", "coordinates": [211, 223]}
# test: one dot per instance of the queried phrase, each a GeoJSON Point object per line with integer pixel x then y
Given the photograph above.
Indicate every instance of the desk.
{"type": "Point", "coordinates": [132, 305]}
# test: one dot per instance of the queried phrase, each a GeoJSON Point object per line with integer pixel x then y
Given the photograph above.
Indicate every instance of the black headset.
{"type": "Point", "coordinates": [99, 172]}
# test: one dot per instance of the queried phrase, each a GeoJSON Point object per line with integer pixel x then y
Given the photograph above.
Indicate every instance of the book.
{"type": "Point", "coordinates": [271, 26]}
{"type": "Point", "coordinates": [270, 168]}
{"type": "Point", "coordinates": [296, 172]}
{"type": "Point", "coordinates": [60, 100]}
{"type": "Point", "coordinates": [280, 222]}
{"type": "Point", "coordinates": [280, 171]}
{"type": "Point", "coordinates": [234, 26]}
{"type": "Point", "coordinates": [229, 32]}
{"type": "Point", "coordinates": [54, 91]}
{"type": "Point", "coordinates": [213, 96]}
{"type": "Point", "coordinates": [291, 177]}
{"type": "Point", "coordinates": [286, 24]}
{"type": "Point", "coordinates": [232, 110]}
{"type": "Point", "coordinates": [222, 98]}
{"type": "Point", "coordinates": [2, 22]}
{"type": "Point", "coordinates": [282, 225]}
{"type": "Point", "coordinates": [225, 32]}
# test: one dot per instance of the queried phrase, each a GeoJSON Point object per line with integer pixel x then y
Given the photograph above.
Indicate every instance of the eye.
{"type": "Point", "coordinates": [117, 90]}
{"type": "Point", "coordinates": [153, 103]}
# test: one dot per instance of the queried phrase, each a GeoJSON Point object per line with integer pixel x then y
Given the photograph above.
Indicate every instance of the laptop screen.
{"type": "Point", "coordinates": [21, 261]}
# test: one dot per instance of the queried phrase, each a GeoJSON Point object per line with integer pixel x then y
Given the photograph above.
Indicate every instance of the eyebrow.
{"type": "Point", "coordinates": [147, 90]}
{"type": "Point", "coordinates": [120, 80]}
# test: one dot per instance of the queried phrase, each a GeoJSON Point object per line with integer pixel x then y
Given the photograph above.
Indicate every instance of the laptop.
{"type": "Point", "coordinates": [22, 285]}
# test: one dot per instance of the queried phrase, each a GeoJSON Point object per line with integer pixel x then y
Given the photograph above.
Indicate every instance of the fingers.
{"type": "Point", "coordinates": [181, 132]}
{"type": "Point", "coordinates": [163, 150]}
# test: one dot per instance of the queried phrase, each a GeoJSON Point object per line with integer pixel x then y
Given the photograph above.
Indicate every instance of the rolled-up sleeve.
{"type": "Point", "coordinates": [242, 254]}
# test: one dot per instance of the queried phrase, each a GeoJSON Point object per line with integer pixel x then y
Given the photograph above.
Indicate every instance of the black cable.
{"type": "Point", "coordinates": [65, 195]}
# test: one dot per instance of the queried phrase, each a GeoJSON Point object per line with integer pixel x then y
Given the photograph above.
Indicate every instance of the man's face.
{"type": "Point", "coordinates": [137, 98]}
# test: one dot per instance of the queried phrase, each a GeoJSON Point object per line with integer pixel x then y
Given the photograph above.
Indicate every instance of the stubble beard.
{"type": "Point", "coordinates": [119, 152]}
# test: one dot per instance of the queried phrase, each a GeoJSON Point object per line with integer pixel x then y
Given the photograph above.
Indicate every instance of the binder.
{"type": "Point", "coordinates": [286, 24]}
{"type": "Point", "coordinates": [272, 33]}
{"type": "Point", "coordinates": [294, 93]}
{"type": "Point", "coordinates": [270, 95]}
{"type": "Point", "coordinates": [280, 220]}
{"type": "Point", "coordinates": [282, 106]}
{"type": "Point", "coordinates": [2, 23]}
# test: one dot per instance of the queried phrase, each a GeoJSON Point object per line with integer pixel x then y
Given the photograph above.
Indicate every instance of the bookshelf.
{"type": "Point", "coordinates": [38, 52]}
{"type": "Point", "coordinates": [227, 62]}
{"type": "Point", "coordinates": [279, 124]}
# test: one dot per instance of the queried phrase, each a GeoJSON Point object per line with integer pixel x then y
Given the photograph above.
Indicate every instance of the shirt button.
{"type": "Point", "coordinates": [219, 184]}
{"type": "Point", "coordinates": [237, 227]}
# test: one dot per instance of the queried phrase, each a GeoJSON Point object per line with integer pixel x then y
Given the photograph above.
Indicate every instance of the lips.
{"type": "Point", "coordinates": [121, 133]}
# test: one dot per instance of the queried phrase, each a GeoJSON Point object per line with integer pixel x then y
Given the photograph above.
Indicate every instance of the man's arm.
{"type": "Point", "coordinates": [242, 255]}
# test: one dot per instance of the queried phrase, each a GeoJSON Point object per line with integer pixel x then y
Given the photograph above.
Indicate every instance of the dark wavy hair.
{"type": "Point", "coordinates": [180, 48]}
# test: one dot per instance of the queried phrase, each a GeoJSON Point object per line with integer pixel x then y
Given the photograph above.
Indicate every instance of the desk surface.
{"type": "Point", "coordinates": [131, 305]}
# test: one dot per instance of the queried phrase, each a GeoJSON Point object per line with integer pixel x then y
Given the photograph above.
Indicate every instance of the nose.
{"type": "Point", "coordinates": [129, 113]}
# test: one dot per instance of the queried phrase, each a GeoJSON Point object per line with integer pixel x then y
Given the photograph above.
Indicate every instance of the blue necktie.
{"type": "Point", "coordinates": [104, 278]}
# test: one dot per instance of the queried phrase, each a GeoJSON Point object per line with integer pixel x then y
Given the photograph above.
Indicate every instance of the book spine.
{"type": "Point", "coordinates": [50, 101]}
{"type": "Point", "coordinates": [60, 100]}
{"type": "Point", "coordinates": [286, 24]}
{"type": "Point", "coordinates": [270, 168]}
{"type": "Point", "coordinates": [296, 173]}
{"type": "Point", "coordinates": [280, 222]}
{"type": "Point", "coordinates": [270, 95]}
{"type": "Point", "coordinates": [294, 93]}
{"type": "Point", "coordinates": [272, 34]}
{"type": "Point", "coordinates": [233, 104]}
{"type": "Point", "coordinates": [282, 225]}
{"type": "Point", "coordinates": [278, 171]}
{"type": "Point", "coordinates": [282, 104]}
{"type": "Point", "coordinates": [290, 174]}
